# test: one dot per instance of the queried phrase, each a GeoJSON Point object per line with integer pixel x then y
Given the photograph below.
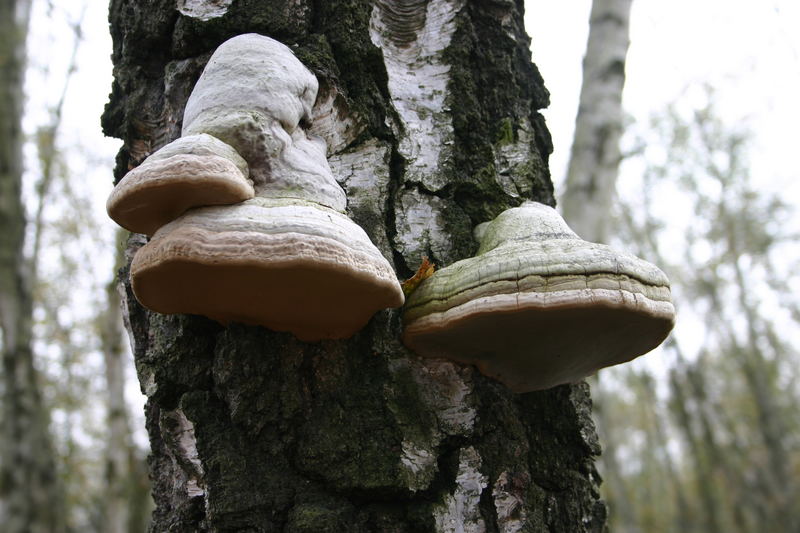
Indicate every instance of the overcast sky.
{"type": "Point", "coordinates": [746, 49]}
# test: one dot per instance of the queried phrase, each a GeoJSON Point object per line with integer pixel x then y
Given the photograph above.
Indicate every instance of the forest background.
{"type": "Point", "coordinates": [701, 435]}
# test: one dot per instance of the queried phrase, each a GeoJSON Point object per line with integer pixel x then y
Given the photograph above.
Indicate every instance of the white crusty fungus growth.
{"type": "Point", "coordinates": [255, 95]}
{"type": "Point", "coordinates": [538, 306]}
{"type": "Point", "coordinates": [287, 258]}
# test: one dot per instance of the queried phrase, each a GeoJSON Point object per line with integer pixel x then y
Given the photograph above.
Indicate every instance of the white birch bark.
{"type": "Point", "coordinates": [594, 162]}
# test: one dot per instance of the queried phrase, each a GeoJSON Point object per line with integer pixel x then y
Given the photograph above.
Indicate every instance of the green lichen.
{"type": "Point", "coordinates": [482, 197]}
{"type": "Point", "coordinates": [363, 77]}
{"type": "Point", "coordinates": [321, 515]}
{"type": "Point", "coordinates": [458, 223]}
{"type": "Point", "coordinates": [505, 132]}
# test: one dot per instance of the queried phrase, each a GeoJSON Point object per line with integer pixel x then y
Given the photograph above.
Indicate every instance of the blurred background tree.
{"type": "Point", "coordinates": [720, 434]}
{"type": "Point", "coordinates": [68, 459]}
{"type": "Point", "coordinates": [590, 186]}
{"type": "Point", "coordinates": [705, 439]}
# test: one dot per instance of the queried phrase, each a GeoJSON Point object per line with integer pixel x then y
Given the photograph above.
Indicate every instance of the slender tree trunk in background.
{"type": "Point", "coordinates": [614, 485]}
{"type": "Point", "coordinates": [121, 472]}
{"type": "Point", "coordinates": [30, 500]}
{"type": "Point", "coordinates": [594, 162]}
{"type": "Point", "coordinates": [47, 149]}
{"type": "Point", "coordinates": [437, 130]}
{"type": "Point", "coordinates": [655, 422]}
{"type": "Point", "coordinates": [682, 522]}
{"type": "Point", "coordinates": [709, 500]}
{"type": "Point", "coordinates": [757, 372]}
{"type": "Point", "coordinates": [720, 460]}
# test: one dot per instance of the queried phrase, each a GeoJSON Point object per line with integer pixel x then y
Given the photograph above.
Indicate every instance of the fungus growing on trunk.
{"type": "Point", "coordinates": [288, 258]}
{"type": "Point", "coordinates": [193, 171]}
{"type": "Point", "coordinates": [290, 266]}
{"type": "Point", "coordinates": [538, 306]}
{"type": "Point", "coordinates": [255, 95]}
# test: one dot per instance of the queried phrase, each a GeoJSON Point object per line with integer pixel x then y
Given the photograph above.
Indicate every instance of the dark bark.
{"type": "Point", "coordinates": [254, 430]}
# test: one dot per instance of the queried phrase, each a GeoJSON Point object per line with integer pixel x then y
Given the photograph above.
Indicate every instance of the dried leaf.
{"type": "Point", "coordinates": [425, 270]}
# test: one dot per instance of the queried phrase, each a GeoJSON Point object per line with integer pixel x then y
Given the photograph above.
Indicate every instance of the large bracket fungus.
{"type": "Point", "coordinates": [282, 254]}
{"type": "Point", "coordinates": [538, 306]}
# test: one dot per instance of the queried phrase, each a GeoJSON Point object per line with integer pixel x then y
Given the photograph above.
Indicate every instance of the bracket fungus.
{"type": "Point", "coordinates": [538, 306]}
{"type": "Point", "coordinates": [286, 256]}
{"type": "Point", "coordinates": [193, 171]}
{"type": "Point", "coordinates": [290, 266]}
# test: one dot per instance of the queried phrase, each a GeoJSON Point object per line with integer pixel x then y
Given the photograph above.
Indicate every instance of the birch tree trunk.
{"type": "Point", "coordinates": [594, 162]}
{"type": "Point", "coordinates": [430, 112]}
{"type": "Point", "coordinates": [30, 500]}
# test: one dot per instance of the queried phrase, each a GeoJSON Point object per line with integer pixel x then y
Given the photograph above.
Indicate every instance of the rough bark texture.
{"type": "Point", "coordinates": [29, 489]}
{"type": "Point", "coordinates": [430, 111]}
{"type": "Point", "coordinates": [595, 158]}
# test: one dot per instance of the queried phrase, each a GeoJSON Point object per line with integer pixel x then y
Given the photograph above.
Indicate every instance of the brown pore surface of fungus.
{"type": "Point", "coordinates": [287, 266]}
{"type": "Point", "coordinates": [193, 171]}
{"type": "Point", "coordinates": [538, 306]}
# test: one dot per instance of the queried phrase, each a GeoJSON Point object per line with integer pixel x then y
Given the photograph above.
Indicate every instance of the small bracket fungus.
{"type": "Point", "coordinates": [189, 172]}
{"type": "Point", "coordinates": [287, 258]}
{"type": "Point", "coordinates": [538, 306]}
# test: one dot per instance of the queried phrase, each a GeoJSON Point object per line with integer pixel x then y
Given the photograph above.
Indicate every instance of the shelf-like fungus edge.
{"type": "Point", "coordinates": [193, 171]}
{"type": "Point", "coordinates": [538, 306]}
{"type": "Point", "coordinates": [286, 265]}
